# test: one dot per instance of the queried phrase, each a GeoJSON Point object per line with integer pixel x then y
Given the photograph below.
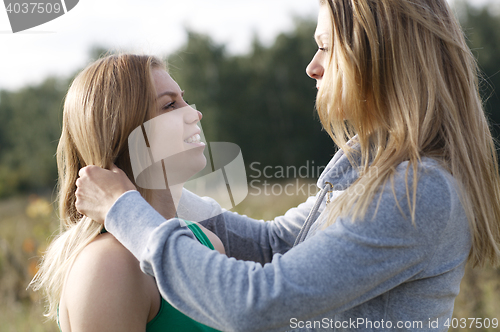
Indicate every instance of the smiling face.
{"type": "Point", "coordinates": [174, 135]}
{"type": "Point", "coordinates": [316, 67]}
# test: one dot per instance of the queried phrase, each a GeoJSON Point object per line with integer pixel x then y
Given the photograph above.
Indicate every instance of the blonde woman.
{"type": "Point", "coordinates": [91, 281]}
{"type": "Point", "coordinates": [416, 185]}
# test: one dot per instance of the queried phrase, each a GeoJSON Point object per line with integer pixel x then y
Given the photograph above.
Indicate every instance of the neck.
{"type": "Point", "coordinates": [165, 201]}
{"type": "Point", "coordinates": [176, 192]}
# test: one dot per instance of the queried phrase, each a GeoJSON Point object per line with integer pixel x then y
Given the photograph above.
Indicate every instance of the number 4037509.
{"type": "Point", "coordinates": [471, 323]}
{"type": "Point", "coordinates": [34, 7]}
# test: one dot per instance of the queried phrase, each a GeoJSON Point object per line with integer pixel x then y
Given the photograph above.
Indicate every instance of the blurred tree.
{"type": "Point", "coordinates": [274, 107]}
{"type": "Point", "coordinates": [99, 51]}
{"type": "Point", "coordinates": [482, 27]}
{"type": "Point", "coordinates": [196, 67]}
{"type": "Point", "coordinates": [263, 101]}
{"type": "Point", "coordinates": [30, 127]}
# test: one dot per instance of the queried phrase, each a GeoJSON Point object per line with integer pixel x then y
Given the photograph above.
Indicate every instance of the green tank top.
{"type": "Point", "coordinates": [169, 318]}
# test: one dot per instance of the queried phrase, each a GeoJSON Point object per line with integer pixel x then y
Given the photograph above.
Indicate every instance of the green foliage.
{"type": "Point", "coordinates": [30, 121]}
{"type": "Point", "coordinates": [197, 68]}
{"type": "Point", "coordinates": [482, 28]}
{"type": "Point", "coordinates": [263, 101]}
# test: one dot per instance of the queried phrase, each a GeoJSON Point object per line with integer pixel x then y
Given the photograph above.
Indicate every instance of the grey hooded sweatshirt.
{"type": "Point", "coordinates": [381, 273]}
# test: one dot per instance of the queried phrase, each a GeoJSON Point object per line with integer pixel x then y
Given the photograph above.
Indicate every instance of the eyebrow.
{"type": "Point", "coordinates": [169, 93]}
{"type": "Point", "coordinates": [318, 37]}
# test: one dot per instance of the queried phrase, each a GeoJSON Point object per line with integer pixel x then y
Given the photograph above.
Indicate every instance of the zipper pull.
{"type": "Point", "coordinates": [329, 193]}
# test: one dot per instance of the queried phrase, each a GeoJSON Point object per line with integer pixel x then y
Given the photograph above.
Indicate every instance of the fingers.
{"type": "Point", "coordinates": [82, 171]}
{"type": "Point", "coordinates": [78, 205]}
{"type": "Point", "coordinates": [91, 169]}
{"type": "Point", "coordinates": [84, 177]}
{"type": "Point", "coordinates": [88, 170]}
{"type": "Point", "coordinates": [79, 202]}
{"type": "Point", "coordinates": [97, 189]}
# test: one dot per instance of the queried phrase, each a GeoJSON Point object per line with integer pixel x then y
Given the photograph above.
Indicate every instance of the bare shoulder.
{"type": "Point", "coordinates": [102, 261]}
{"type": "Point", "coordinates": [214, 239]}
{"type": "Point", "coordinates": [106, 290]}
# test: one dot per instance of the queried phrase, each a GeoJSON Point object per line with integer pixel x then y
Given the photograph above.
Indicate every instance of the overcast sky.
{"type": "Point", "coordinates": [154, 27]}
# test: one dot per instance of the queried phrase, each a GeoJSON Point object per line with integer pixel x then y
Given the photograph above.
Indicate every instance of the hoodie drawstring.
{"type": "Point", "coordinates": [309, 220]}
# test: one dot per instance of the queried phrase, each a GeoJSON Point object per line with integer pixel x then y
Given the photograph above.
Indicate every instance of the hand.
{"type": "Point", "coordinates": [98, 189]}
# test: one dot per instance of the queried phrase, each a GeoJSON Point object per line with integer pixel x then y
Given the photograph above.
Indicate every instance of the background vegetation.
{"type": "Point", "coordinates": [262, 101]}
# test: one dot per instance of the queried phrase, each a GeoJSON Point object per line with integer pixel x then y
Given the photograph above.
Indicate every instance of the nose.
{"type": "Point", "coordinates": [315, 68]}
{"type": "Point", "coordinates": [192, 115]}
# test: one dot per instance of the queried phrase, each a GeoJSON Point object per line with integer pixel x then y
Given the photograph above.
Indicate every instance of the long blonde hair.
{"type": "Point", "coordinates": [105, 103]}
{"type": "Point", "coordinates": [401, 77]}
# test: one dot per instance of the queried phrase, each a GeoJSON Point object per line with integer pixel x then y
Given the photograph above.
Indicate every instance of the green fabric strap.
{"type": "Point", "coordinates": [198, 233]}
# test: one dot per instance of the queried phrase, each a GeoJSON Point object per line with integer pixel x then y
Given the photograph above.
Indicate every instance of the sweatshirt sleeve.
{"type": "Point", "coordinates": [243, 237]}
{"type": "Point", "coordinates": [346, 264]}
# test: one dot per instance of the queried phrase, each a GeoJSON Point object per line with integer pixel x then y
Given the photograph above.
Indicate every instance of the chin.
{"type": "Point", "coordinates": [200, 163]}
{"type": "Point", "coordinates": [181, 167]}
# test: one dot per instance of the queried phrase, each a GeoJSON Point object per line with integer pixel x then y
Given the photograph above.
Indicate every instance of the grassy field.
{"type": "Point", "coordinates": [26, 223]}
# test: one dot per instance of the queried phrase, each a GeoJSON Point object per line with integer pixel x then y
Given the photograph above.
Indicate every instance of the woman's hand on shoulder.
{"type": "Point", "coordinates": [98, 189]}
{"type": "Point", "coordinates": [106, 290]}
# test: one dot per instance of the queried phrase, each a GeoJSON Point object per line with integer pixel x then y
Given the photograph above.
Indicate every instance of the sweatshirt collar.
{"type": "Point", "coordinates": [339, 171]}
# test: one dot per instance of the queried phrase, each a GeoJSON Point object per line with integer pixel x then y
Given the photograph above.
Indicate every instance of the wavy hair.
{"type": "Point", "coordinates": [401, 77]}
{"type": "Point", "coordinates": [105, 103]}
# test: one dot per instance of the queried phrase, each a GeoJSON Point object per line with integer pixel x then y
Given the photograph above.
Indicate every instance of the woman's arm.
{"type": "Point", "coordinates": [341, 267]}
{"type": "Point", "coordinates": [243, 237]}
